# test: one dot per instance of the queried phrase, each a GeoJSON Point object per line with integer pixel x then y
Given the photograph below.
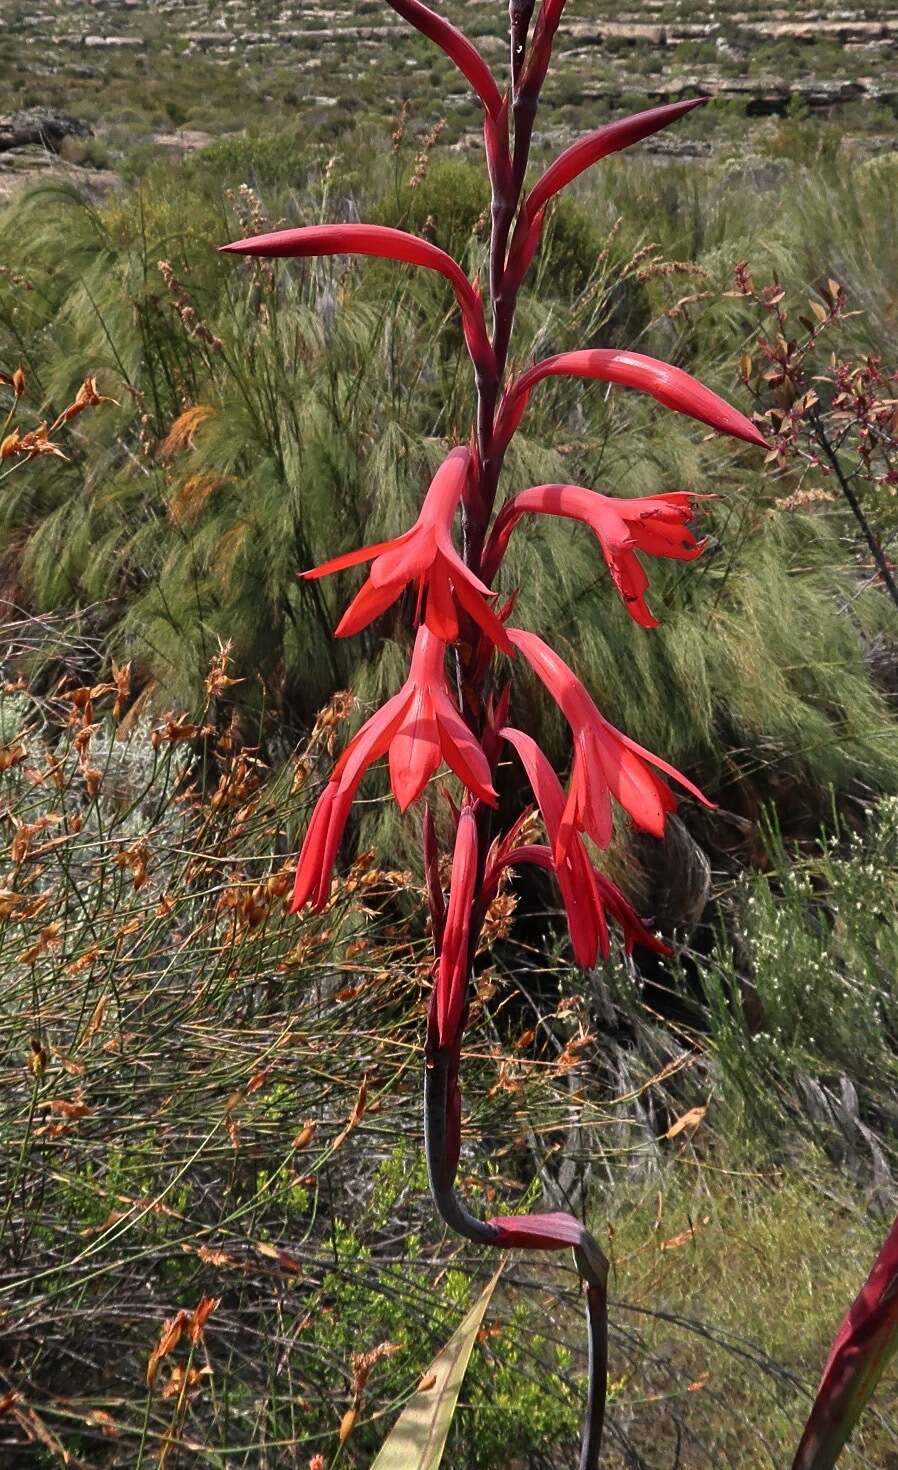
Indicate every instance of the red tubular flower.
{"type": "Point", "coordinates": [474, 69]}
{"type": "Point", "coordinates": [388, 244]}
{"type": "Point", "coordinates": [419, 726]}
{"type": "Point", "coordinates": [457, 47]}
{"type": "Point", "coordinates": [576, 876]}
{"type": "Point", "coordinates": [654, 524]}
{"type": "Point", "coordinates": [424, 554]}
{"type": "Point", "coordinates": [634, 930]}
{"type": "Point", "coordinates": [573, 162]}
{"type": "Point", "coordinates": [452, 975]}
{"type": "Point", "coordinates": [606, 762]}
{"type": "Point", "coordinates": [668, 384]}
{"type": "Point", "coordinates": [539, 52]}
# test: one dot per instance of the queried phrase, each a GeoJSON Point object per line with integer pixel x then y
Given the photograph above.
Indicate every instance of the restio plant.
{"type": "Point", "coordinates": [455, 706]}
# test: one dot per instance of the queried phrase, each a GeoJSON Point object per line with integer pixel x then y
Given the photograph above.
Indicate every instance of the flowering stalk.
{"type": "Point", "coordinates": [455, 607]}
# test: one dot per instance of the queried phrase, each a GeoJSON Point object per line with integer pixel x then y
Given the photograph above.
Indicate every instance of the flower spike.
{"type": "Point", "coordinates": [606, 762]}
{"type": "Point", "coordinates": [423, 554]}
{"type": "Point", "coordinates": [654, 524]}
{"type": "Point", "coordinates": [669, 385]}
{"type": "Point", "coordinates": [388, 244]}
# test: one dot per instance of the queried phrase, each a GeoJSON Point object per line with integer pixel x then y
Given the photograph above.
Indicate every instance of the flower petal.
{"type": "Point", "coordinates": [414, 749]}
{"type": "Point", "coordinates": [441, 617]}
{"type": "Point", "coordinates": [353, 558]}
{"type": "Point", "coordinates": [476, 608]}
{"type": "Point", "coordinates": [368, 604]}
{"type": "Point", "coordinates": [461, 750]}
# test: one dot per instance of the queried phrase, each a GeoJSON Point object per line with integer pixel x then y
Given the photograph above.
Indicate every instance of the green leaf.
{"type": "Point", "coordinates": [418, 1438]}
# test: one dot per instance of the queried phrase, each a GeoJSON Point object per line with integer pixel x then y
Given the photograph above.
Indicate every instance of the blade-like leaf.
{"type": "Point", "coordinates": [867, 1338]}
{"type": "Point", "coordinates": [418, 1438]}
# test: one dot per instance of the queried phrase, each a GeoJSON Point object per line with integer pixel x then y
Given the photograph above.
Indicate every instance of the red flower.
{"type": "Point", "coordinates": [654, 524]}
{"type": "Point", "coordinates": [539, 52]}
{"type": "Point", "coordinates": [424, 554]}
{"type": "Point", "coordinates": [668, 384]}
{"type": "Point", "coordinates": [573, 162]}
{"type": "Point", "coordinates": [419, 726]}
{"type": "Point", "coordinates": [635, 931]}
{"type": "Point", "coordinates": [457, 47]}
{"type": "Point", "coordinates": [455, 958]}
{"type": "Point", "coordinates": [606, 762]}
{"type": "Point", "coordinates": [575, 873]}
{"type": "Point", "coordinates": [389, 244]}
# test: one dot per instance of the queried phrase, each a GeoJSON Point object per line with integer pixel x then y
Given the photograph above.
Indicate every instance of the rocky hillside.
{"type": "Point", "coordinates": [145, 75]}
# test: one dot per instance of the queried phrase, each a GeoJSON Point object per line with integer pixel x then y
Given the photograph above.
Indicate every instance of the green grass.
{"type": "Point", "coordinates": [323, 414]}
{"type": "Point", "coordinates": [167, 1033]}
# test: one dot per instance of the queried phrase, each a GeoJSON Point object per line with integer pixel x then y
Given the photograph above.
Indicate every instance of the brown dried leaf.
{"type": "Point", "coordinates": [168, 1341]}
{"type": "Point", "coordinates": [305, 1135]}
{"type": "Point", "coordinates": [12, 755]}
{"type": "Point", "coordinates": [201, 1313]}
{"type": "Point", "coordinates": [96, 1019]}
{"type": "Point", "coordinates": [689, 1121]}
{"type": "Point", "coordinates": [69, 1110]}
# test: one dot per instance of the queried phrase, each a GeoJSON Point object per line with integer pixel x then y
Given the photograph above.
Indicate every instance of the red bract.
{"type": "Point", "coordinates": [865, 1342]}
{"type": "Point", "coordinates": [668, 384]}
{"type": "Point", "coordinates": [419, 727]}
{"type": "Point", "coordinates": [573, 162]}
{"type": "Point", "coordinates": [424, 555]}
{"type": "Point", "coordinates": [387, 244]}
{"type": "Point", "coordinates": [656, 525]}
{"type": "Point", "coordinates": [606, 762]}
{"type": "Point", "coordinates": [455, 958]}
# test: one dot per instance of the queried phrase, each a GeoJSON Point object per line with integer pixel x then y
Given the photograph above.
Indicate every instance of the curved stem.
{"type": "Point", "coordinates": [438, 1077]}
{"type": "Point", "coordinates": [442, 1151]}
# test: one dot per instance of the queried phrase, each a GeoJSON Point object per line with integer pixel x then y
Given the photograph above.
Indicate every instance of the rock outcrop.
{"type": "Point", "coordinates": [41, 125]}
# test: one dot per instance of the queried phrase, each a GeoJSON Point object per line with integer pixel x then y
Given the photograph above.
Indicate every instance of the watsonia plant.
{"type": "Point", "coordinates": [455, 609]}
